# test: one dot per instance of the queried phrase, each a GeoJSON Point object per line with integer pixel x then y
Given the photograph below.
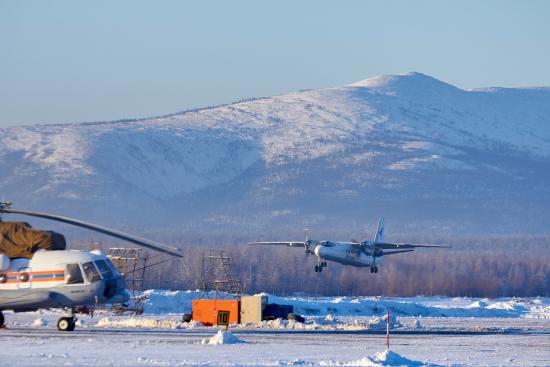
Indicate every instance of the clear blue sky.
{"type": "Point", "coordinates": [75, 61]}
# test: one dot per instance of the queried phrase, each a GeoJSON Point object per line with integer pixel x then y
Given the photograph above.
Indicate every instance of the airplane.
{"type": "Point", "coordinates": [359, 254]}
{"type": "Point", "coordinates": [68, 279]}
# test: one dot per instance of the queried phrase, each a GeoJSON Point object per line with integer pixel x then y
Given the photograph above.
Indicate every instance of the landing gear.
{"type": "Point", "coordinates": [374, 269]}
{"type": "Point", "coordinates": [66, 323]}
{"type": "Point", "coordinates": [319, 267]}
{"type": "Point", "coordinates": [1, 319]}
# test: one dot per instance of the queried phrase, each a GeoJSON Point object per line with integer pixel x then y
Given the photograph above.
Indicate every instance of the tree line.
{"type": "Point", "coordinates": [489, 266]}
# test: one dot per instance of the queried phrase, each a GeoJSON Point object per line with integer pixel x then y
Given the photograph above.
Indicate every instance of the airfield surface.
{"type": "Point", "coordinates": [335, 339]}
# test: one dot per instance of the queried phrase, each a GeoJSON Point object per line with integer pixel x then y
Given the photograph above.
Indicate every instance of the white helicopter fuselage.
{"type": "Point", "coordinates": [53, 278]}
{"type": "Point", "coordinates": [65, 279]}
{"type": "Point", "coordinates": [345, 253]}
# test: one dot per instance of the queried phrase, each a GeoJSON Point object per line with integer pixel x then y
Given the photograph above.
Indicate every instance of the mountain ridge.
{"type": "Point", "coordinates": [396, 144]}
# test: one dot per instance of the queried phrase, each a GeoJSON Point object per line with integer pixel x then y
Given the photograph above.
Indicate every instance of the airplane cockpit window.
{"type": "Point", "coordinates": [73, 275]}
{"type": "Point", "coordinates": [91, 273]}
{"type": "Point", "coordinates": [105, 270]}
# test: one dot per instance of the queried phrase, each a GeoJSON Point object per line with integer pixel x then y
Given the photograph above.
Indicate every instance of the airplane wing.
{"type": "Point", "coordinates": [280, 243]}
{"type": "Point", "coordinates": [395, 252]}
{"type": "Point", "coordinates": [392, 246]}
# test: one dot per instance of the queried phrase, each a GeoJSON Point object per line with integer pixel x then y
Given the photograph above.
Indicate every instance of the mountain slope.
{"type": "Point", "coordinates": [417, 150]}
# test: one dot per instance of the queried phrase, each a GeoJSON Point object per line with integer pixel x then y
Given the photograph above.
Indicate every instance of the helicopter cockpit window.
{"type": "Point", "coordinates": [105, 270]}
{"type": "Point", "coordinates": [73, 275]}
{"type": "Point", "coordinates": [113, 267]}
{"type": "Point", "coordinates": [91, 273]}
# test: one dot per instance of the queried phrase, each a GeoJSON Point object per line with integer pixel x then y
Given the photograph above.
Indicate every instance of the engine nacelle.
{"type": "Point", "coordinates": [4, 262]}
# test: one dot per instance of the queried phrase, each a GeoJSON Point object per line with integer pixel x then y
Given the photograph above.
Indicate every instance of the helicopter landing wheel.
{"type": "Point", "coordinates": [66, 324]}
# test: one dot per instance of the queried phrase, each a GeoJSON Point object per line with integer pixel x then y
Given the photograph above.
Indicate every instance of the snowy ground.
{"type": "Point", "coordinates": [334, 334]}
{"type": "Point", "coordinates": [167, 302]}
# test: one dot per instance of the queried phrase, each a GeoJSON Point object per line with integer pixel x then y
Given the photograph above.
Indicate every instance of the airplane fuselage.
{"type": "Point", "coordinates": [345, 253]}
{"type": "Point", "coordinates": [361, 254]}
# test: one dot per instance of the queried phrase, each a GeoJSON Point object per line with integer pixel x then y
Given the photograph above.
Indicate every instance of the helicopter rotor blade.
{"type": "Point", "coordinates": [94, 227]}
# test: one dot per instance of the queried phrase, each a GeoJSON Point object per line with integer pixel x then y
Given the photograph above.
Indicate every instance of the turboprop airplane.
{"type": "Point", "coordinates": [68, 279]}
{"type": "Point", "coordinates": [359, 254]}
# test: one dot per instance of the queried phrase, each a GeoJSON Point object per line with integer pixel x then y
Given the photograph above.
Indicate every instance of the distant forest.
{"type": "Point", "coordinates": [474, 267]}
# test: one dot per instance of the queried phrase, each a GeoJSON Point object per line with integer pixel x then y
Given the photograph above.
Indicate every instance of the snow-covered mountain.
{"type": "Point", "coordinates": [425, 154]}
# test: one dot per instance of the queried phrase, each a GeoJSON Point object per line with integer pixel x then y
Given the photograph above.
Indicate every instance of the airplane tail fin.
{"type": "Point", "coordinates": [379, 236]}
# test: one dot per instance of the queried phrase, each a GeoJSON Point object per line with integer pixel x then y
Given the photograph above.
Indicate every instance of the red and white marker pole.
{"type": "Point", "coordinates": [388, 331]}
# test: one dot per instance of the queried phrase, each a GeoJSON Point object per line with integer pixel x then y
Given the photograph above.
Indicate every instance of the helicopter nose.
{"type": "Point", "coordinates": [115, 291]}
{"type": "Point", "coordinates": [110, 288]}
{"type": "Point", "coordinates": [122, 296]}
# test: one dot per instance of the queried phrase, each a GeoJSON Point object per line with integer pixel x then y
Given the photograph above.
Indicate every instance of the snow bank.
{"type": "Point", "coordinates": [162, 302]}
{"type": "Point", "coordinates": [414, 306]}
{"type": "Point", "coordinates": [40, 322]}
{"type": "Point", "coordinates": [539, 312]}
{"type": "Point", "coordinates": [386, 358]}
{"type": "Point", "coordinates": [328, 323]}
{"type": "Point", "coordinates": [379, 323]}
{"type": "Point", "coordinates": [144, 322]}
{"type": "Point", "coordinates": [222, 337]}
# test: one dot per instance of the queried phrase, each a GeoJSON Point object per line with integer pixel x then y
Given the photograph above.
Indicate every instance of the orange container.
{"type": "Point", "coordinates": [206, 310]}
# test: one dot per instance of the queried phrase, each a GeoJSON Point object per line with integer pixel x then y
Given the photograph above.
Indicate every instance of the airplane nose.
{"type": "Point", "coordinates": [318, 250]}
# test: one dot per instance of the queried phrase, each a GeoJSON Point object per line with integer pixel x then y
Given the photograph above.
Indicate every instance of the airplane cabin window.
{"type": "Point", "coordinates": [73, 274]}
{"type": "Point", "coordinates": [91, 272]}
{"type": "Point", "coordinates": [105, 270]}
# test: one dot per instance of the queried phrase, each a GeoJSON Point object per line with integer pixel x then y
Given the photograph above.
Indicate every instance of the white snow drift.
{"type": "Point", "coordinates": [178, 302]}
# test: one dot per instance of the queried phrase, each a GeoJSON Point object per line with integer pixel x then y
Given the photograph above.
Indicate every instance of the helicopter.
{"type": "Point", "coordinates": [45, 275]}
{"type": "Point", "coordinates": [359, 254]}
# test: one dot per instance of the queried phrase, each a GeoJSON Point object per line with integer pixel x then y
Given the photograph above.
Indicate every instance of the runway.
{"type": "Point", "coordinates": [204, 332]}
{"type": "Point", "coordinates": [28, 346]}
{"type": "Point", "coordinates": [32, 339]}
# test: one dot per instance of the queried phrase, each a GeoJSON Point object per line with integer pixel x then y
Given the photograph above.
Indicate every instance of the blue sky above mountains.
{"type": "Point", "coordinates": [70, 61]}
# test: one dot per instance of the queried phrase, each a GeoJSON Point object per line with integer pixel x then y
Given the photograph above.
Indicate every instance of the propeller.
{"type": "Point", "coordinates": [371, 248]}
{"type": "Point", "coordinates": [307, 243]}
{"type": "Point", "coordinates": [5, 207]}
